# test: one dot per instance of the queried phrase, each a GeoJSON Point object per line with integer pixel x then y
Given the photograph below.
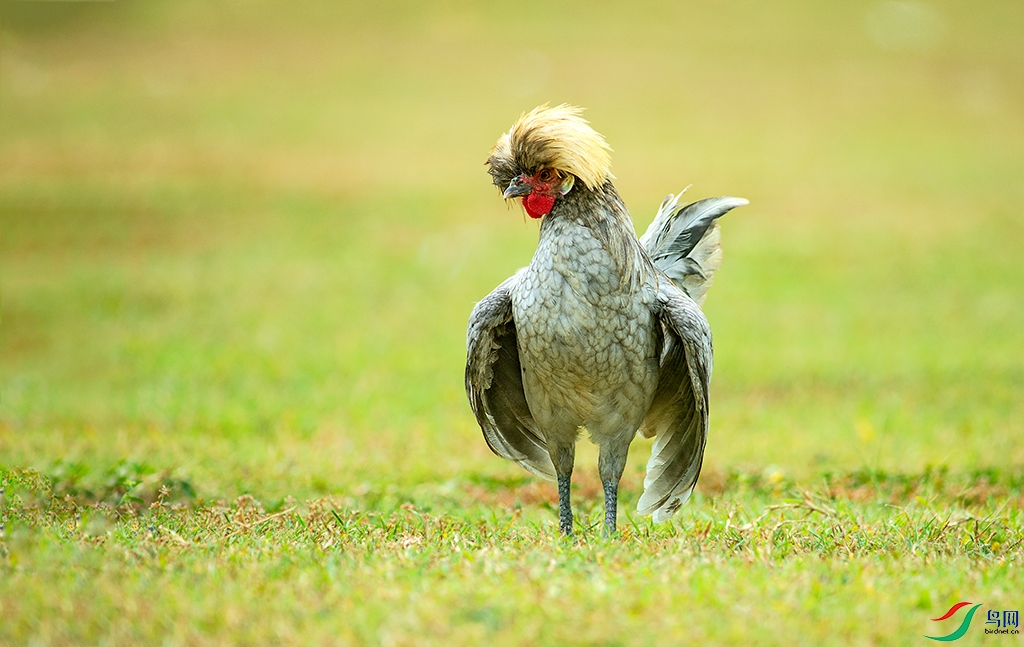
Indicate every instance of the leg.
{"type": "Point", "coordinates": [610, 464]}
{"type": "Point", "coordinates": [611, 506]}
{"type": "Point", "coordinates": [564, 457]}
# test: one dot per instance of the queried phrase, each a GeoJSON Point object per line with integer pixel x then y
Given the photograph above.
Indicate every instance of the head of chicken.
{"type": "Point", "coordinates": [543, 155]}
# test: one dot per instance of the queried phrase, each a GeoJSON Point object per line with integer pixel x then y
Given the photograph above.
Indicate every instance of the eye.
{"type": "Point", "coordinates": [547, 175]}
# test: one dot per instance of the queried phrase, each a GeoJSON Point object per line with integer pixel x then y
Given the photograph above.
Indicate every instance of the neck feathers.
{"type": "Point", "coordinates": [601, 211]}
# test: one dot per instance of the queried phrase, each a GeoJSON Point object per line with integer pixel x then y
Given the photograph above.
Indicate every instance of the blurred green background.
{"type": "Point", "coordinates": [239, 241]}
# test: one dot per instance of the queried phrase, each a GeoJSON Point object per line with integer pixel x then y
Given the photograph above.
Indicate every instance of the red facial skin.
{"type": "Point", "coordinates": [546, 185]}
{"type": "Point", "coordinates": [538, 205]}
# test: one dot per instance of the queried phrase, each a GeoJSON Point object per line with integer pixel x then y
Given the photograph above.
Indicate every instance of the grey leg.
{"type": "Point", "coordinates": [611, 503]}
{"type": "Point", "coordinates": [610, 464]}
{"type": "Point", "coordinates": [564, 506]}
{"type": "Point", "coordinates": [564, 458]}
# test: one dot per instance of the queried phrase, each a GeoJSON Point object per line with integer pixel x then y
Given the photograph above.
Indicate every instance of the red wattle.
{"type": "Point", "coordinates": [538, 205]}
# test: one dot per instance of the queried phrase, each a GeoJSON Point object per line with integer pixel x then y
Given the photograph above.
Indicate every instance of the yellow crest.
{"type": "Point", "coordinates": [557, 138]}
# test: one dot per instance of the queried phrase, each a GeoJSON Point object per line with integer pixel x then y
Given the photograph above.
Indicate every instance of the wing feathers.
{"type": "Point", "coordinates": [494, 385]}
{"type": "Point", "coordinates": [678, 416]}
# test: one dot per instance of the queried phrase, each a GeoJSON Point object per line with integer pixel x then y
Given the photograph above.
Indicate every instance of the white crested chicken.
{"type": "Point", "coordinates": [602, 332]}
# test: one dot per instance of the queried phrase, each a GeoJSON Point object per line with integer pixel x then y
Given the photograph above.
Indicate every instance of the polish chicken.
{"type": "Point", "coordinates": [602, 332]}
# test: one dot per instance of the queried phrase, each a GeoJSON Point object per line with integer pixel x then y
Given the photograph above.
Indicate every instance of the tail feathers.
{"type": "Point", "coordinates": [685, 242]}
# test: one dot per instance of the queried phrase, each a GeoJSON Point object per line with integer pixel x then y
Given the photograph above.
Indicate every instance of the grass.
{"type": "Point", "coordinates": [238, 250]}
{"type": "Point", "coordinates": [760, 557]}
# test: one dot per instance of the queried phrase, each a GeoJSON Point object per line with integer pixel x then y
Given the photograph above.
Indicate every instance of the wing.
{"type": "Point", "coordinates": [678, 417]}
{"type": "Point", "coordinates": [494, 384]}
{"type": "Point", "coordinates": [685, 242]}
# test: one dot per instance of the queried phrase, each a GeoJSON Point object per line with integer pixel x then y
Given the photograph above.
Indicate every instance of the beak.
{"type": "Point", "coordinates": [517, 189]}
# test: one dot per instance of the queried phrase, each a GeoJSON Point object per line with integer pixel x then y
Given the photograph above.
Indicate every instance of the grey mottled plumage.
{"type": "Point", "coordinates": [602, 331]}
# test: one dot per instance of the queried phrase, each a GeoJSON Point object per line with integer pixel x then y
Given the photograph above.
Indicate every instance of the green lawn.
{"type": "Point", "coordinates": [239, 245]}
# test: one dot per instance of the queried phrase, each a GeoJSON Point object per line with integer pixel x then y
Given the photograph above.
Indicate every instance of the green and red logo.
{"type": "Point", "coordinates": [1006, 622]}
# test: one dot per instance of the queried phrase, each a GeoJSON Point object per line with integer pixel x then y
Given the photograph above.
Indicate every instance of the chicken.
{"type": "Point", "coordinates": [602, 331]}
